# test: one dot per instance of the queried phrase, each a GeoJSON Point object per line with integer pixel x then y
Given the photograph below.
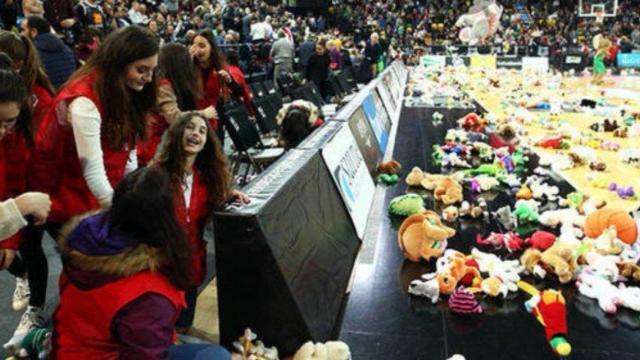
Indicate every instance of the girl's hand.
{"type": "Point", "coordinates": [225, 75]}
{"type": "Point", "coordinates": [240, 197]}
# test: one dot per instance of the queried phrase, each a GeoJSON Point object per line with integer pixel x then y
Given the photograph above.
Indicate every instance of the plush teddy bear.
{"type": "Point", "coordinates": [448, 191]}
{"type": "Point", "coordinates": [561, 258]}
{"type": "Point", "coordinates": [331, 350]}
{"type": "Point", "coordinates": [423, 236]}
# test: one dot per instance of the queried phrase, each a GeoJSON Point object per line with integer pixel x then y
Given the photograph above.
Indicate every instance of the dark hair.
{"type": "Point", "coordinates": [211, 162]}
{"type": "Point", "coordinates": [20, 48]}
{"type": "Point", "coordinates": [125, 110]}
{"type": "Point", "coordinates": [143, 208]}
{"type": "Point", "coordinates": [233, 58]}
{"type": "Point", "coordinates": [217, 58]}
{"type": "Point", "coordinates": [12, 89]}
{"type": "Point", "coordinates": [39, 23]}
{"type": "Point", "coordinates": [175, 65]}
{"type": "Point", "coordinates": [295, 127]}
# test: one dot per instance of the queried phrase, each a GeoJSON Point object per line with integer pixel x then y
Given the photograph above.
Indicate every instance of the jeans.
{"type": "Point", "coordinates": [198, 352]}
{"type": "Point", "coordinates": [35, 261]}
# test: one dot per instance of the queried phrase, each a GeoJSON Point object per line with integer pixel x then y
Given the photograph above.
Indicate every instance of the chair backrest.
{"type": "Point", "coordinates": [265, 114]}
{"type": "Point", "coordinates": [241, 130]}
{"type": "Point", "coordinates": [257, 90]}
{"type": "Point", "coordinates": [268, 86]}
{"type": "Point", "coordinates": [334, 86]}
{"type": "Point", "coordinates": [309, 92]}
{"type": "Point", "coordinates": [344, 83]}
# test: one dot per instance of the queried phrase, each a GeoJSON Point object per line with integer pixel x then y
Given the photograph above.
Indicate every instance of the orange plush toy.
{"type": "Point", "coordinates": [422, 236]}
{"type": "Point", "coordinates": [600, 220]}
{"type": "Point", "coordinates": [448, 190]}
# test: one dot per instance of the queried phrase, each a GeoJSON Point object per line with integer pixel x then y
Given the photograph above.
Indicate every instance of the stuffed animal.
{"type": "Point", "coordinates": [526, 211]}
{"type": "Point", "coordinates": [541, 240]}
{"type": "Point", "coordinates": [331, 350]}
{"type": "Point", "coordinates": [476, 212]}
{"type": "Point", "coordinates": [554, 218]}
{"type": "Point", "coordinates": [492, 286]}
{"type": "Point", "coordinates": [448, 191]}
{"type": "Point", "coordinates": [463, 302]}
{"type": "Point", "coordinates": [604, 266]}
{"type": "Point", "coordinates": [254, 351]}
{"type": "Point", "coordinates": [599, 288]}
{"type": "Point", "coordinates": [511, 241]}
{"type": "Point", "coordinates": [548, 307]}
{"type": "Point", "coordinates": [423, 236]}
{"type": "Point", "coordinates": [406, 205]}
{"type": "Point", "coordinates": [524, 193]}
{"type": "Point", "coordinates": [450, 214]}
{"type": "Point", "coordinates": [35, 344]}
{"type": "Point", "coordinates": [606, 243]}
{"type": "Point", "coordinates": [629, 270]}
{"type": "Point", "coordinates": [389, 167]}
{"type": "Point", "coordinates": [629, 297]}
{"type": "Point", "coordinates": [451, 268]}
{"type": "Point", "coordinates": [602, 219]}
{"type": "Point", "coordinates": [426, 288]}
{"type": "Point", "coordinates": [506, 218]}
{"type": "Point", "coordinates": [507, 271]}
{"type": "Point", "coordinates": [561, 258]}
{"type": "Point", "coordinates": [486, 183]}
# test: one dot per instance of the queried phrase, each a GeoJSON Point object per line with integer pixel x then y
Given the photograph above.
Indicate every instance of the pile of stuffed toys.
{"type": "Point", "coordinates": [572, 238]}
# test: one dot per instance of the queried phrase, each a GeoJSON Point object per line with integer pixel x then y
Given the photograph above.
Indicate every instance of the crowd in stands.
{"type": "Point", "coordinates": [88, 89]}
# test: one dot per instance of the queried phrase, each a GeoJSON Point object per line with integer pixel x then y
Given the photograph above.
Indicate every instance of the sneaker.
{"type": "Point", "coordinates": [31, 319]}
{"type": "Point", "coordinates": [21, 294]}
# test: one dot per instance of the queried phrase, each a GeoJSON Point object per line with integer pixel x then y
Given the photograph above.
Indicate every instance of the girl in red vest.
{"type": "Point", "coordinates": [193, 156]}
{"type": "Point", "coordinates": [86, 143]}
{"type": "Point", "coordinates": [217, 85]}
{"type": "Point", "coordinates": [178, 92]}
{"type": "Point", "coordinates": [15, 142]}
{"type": "Point", "coordinates": [132, 263]}
{"type": "Point", "coordinates": [26, 62]}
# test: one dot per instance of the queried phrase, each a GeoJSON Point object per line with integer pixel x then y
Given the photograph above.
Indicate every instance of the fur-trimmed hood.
{"type": "Point", "coordinates": [301, 104]}
{"type": "Point", "coordinates": [93, 256]}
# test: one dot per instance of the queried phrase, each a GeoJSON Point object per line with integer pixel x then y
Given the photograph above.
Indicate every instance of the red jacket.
{"type": "Point", "coordinates": [42, 102]}
{"type": "Point", "coordinates": [13, 175]}
{"type": "Point", "coordinates": [156, 127]}
{"type": "Point", "coordinates": [210, 92]}
{"type": "Point", "coordinates": [194, 221]}
{"type": "Point", "coordinates": [55, 166]}
{"type": "Point", "coordinates": [238, 77]}
{"type": "Point", "coordinates": [82, 322]}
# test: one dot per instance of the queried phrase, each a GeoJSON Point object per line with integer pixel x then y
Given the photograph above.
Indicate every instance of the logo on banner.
{"type": "Point", "coordinates": [509, 63]}
{"type": "Point", "coordinates": [483, 61]}
{"type": "Point", "coordinates": [631, 61]}
{"type": "Point", "coordinates": [573, 60]}
{"type": "Point", "coordinates": [540, 64]}
{"type": "Point", "coordinates": [433, 61]}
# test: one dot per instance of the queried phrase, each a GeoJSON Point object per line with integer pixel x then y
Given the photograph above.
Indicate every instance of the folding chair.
{"type": "Point", "coordinates": [248, 146]}
{"type": "Point", "coordinates": [268, 86]}
{"type": "Point", "coordinates": [257, 90]}
{"type": "Point", "coordinates": [265, 114]}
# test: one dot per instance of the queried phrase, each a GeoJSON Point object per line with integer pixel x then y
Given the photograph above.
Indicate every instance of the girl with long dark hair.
{"type": "Point", "coordinates": [217, 85]}
{"type": "Point", "coordinates": [15, 145]}
{"type": "Point", "coordinates": [86, 143]}
{"type": "Point", "coordinates": [178, 93]}
{"type": "Point", "coordinates": [132, 262]}
{"type": "Point", "coordinates": [26, 62]}
{"type": "Point", "coordinates": [192, 155]}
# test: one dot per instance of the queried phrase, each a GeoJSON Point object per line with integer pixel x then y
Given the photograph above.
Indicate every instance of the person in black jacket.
{"type": "Point", "coordinates": [317, 69]}
{"type": "Point", "coordinates": [58, 60]}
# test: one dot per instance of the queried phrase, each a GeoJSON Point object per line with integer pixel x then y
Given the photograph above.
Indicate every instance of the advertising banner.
{"type": "Point", "coordinates": [629, 61]}
{"type": "Point", "coordinates": [436, 61]}
{"type": "Point", "coordinates": [483, 61]}
{"type": "Point", "coordinates": [539, 64]}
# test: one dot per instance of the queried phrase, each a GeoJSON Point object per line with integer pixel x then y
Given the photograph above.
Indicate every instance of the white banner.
{"type": "Point", "coordinates": [436, 61]}
{"type": "Point", "coordinates": [540, 64]}
{"type": "Point", "coordinates": [350, 173]}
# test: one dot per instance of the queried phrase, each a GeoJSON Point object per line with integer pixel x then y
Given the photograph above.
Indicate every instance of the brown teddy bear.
{"type": "Point", "coordinates": [448, 191]}
{"type": "Point", "coordinates": [423, 236]}
{"type": "Point", "coordinates": [561, 258]}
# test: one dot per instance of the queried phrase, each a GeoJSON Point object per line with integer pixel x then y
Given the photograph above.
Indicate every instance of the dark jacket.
{"type": "Point", "coordinates": [306, 49]}
{"type": "Point", "coordinates": [317, 69]}
{"type": "Point", "coordinates": [59, 62]}
{"type": "Point", "coordinates": [93, 257]}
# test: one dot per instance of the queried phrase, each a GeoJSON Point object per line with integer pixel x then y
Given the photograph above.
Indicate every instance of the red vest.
{"type": "Point", "coordinates": [55, 166]}
{"type": "Point", "coordinates": [210, 92]}
{"type": "Point", "coordinates": [42, 102]}
{"type": "Point", "coordinates": [193, 222]}
{"type": "Point", "coordinates": [156, 126]}
{"type": "Point", "coordinates": [238, 77]}
{"type": "Point", "coordinates": [82, 322]}
{"type": "Point", "coordinates": [13, 175]}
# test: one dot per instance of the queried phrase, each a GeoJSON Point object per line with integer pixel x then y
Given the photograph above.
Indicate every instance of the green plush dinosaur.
{"type": "Point", "coordinates": [519, 161]}
{"type": "Point", "coordinates": [525, 213]}
{"type": "Point", "coordinates": [406, 205]}
{"type": "Point", "coordinates": [575, 199]}
{"type": "Point", "coordinates": [388, 179]}
{"type": "Point", "coordinates": [437, 155]}
{"type": "Point", "coordinates": [485, 169]}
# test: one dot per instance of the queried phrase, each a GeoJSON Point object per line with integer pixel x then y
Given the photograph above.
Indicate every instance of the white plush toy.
{"type": "Point", "coordinates": [603, 266]}
{"type": "Point", "coordinates": [508, 270]}
{"type": "Point", "coordinates": [331, 350]}
{"type": "Point", "coordinates": [427, 288]}
{"type": "Point", "coordinates": [599, 288]}
{"type": "Point", "coordinates": [629, 297]}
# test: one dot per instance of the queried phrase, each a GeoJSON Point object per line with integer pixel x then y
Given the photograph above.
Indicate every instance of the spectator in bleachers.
{"type": "Point", "coordinates": [335, 57]}
{"type": "Point", "coordinates": [282, 53]}
{"type": "Point", "coordinates": [296, 120]}
{"type": "Point", "coordinates": [57, 58]}
{"type": "Point", "coordinates": [317, 70]}
{"type": "Point", "coordinates": [32, 7]}
{"type": "Point", "coordinates": [372, 54]}
{"type": "Point", "coordinates": [60, 14]}
{"type": "Point", "coordinates": [305, 50]}
{"type": "Point", "coordinates": [91, 15]}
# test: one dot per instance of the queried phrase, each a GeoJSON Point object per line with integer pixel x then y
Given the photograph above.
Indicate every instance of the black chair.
{"type": "Point", "coordinates": [333, 86]}
{"type": "Point", "coordinates": [265, 114]}
{"type": "Point", "coordinates": [344, 83]}
{"type": "Point", "coordinates": [269, 87]}
{"type": "Point", "coordinates": [249, 149]}
{"type": "Point", "coordinates": [308, 92]}
{"type": "Point", "coordinates": [257, 90]}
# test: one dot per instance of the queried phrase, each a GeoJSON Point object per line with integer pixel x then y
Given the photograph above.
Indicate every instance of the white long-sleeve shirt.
{"type": "Point", "coordinates": [85, 121]}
